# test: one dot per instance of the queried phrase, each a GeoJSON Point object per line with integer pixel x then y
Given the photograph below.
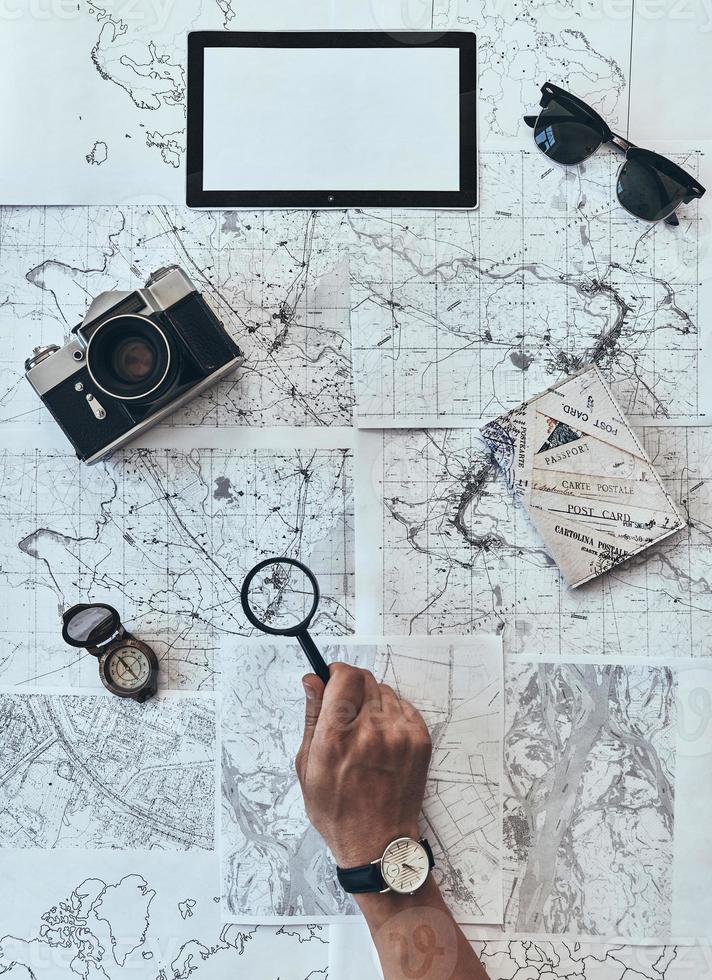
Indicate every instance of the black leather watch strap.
{"type": "Point", "coordinates": [368, 877]}
{"type": "Point", "coordinates": [365, 878]}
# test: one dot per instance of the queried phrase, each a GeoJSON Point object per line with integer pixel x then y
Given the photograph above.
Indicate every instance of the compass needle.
{"type": "Point", "coordinates": [124, 663]}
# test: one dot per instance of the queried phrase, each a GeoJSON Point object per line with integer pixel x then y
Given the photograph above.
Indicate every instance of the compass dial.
{"type": "Point", "coordinates": [127, 669]}
{"type": "Point", "coordinates": [405, 865]}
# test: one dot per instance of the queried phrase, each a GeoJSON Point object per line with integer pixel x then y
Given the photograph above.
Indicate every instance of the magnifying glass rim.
{"type": "Point", "coordinates": [258, 624]}
{"type": "Point", "coordinates": [81, 607]}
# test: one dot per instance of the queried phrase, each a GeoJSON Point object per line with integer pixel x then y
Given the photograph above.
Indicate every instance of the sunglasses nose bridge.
{"type": "Point", "coordinates": [621, 143]}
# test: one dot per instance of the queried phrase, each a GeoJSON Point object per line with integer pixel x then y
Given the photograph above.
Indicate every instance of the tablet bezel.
{"type": "Point", "coordinates": [465, 197]}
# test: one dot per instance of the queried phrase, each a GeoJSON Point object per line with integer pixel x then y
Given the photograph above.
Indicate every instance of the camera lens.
{"type": "Point", "coordinates": [134, 359]}
{"type": "Point", "coordinates": [130, 357]}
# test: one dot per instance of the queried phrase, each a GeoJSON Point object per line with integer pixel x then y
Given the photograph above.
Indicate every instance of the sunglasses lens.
{"type": "Point", "coordinates": [650, 187]}
{"type": "Point", "coordinates": [566, 134]}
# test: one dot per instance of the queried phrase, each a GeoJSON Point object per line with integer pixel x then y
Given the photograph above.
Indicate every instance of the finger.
{"type": "Point", "coordinates": [412, 714]}
{"type": "Point", "coordinates": [314, 695]}
{"type": "Point", "coordinates": [343, 698]}
{"type": "Point", "coordinates": [371, 714]}
{"type": "Point", "coordinates": [414, 717]}
{"type": "Point", "coordinates": [372, 691]}
{"type": "Point", "coordinates": [410, 711]}
{"type": "Point", "coordinates": [390, 700]}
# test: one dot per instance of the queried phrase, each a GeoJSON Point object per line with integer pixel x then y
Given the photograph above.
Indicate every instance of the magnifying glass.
{"type": "Point", "coordinates": [280, 597]}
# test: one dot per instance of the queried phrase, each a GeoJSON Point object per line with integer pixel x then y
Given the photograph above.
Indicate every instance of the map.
{"type": "Point", "coordinates": [352, 956]}
{"type": "Point", "coordinates": [457, 554]}
{"type": "Point", "coordinates": [274, 862]}
{"type": "Point", "coordinates": [91, 771]}
{"type": "Point", "coordinates": [589, 799]}
{"type": "Point", "coordinates": [126, 65]}
{"type": "Point", "coordinates": [546, 276]}
{"type": "Point", "coordinates": [166, 538]}
{"type": "Point", "coordinates": [279, 283]}
{"type": "Point", "coordinates": [115, 916]}
{"type": "Point", "coordinates": [578, 961]}
{"type": "Point", "coordinates": [582, 46]}
{"type": "Point", "coordinates": [463, 315]}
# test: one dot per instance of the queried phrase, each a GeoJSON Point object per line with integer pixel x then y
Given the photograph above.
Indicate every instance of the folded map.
{"type": "Point", "coordinates": [583, 476]}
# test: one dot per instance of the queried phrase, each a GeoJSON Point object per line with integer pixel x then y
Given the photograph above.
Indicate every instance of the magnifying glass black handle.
{"type": "Point", "coordinates": [313, 656]}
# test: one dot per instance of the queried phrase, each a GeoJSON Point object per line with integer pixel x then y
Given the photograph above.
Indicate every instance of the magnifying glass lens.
{"type": "Point", "coordinates": [281, 597]}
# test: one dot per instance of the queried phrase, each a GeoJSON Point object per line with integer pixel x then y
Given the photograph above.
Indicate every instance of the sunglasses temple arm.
{"type": "Point", "coordinates": [316, 660]}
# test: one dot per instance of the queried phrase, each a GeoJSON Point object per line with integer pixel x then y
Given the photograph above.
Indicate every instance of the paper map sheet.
{"type": "Point", "coordinates": [445, 307]}
{"type": "Point", "coordinates": [608, 776]}
{"type": "Point", "coordinates": [444, 548]}
{"type": "Point", "coordinates": [278, 281]}
{"type": "Point", "coordinates": [607, 790]}
{"type": "Point", "coordinates": [143, 915]}
{"type": "Point", "coordinates": [116, 123]}
{"type": "Point", "coordinates": [167, 537]}
{"type": "Point", "coordinates": [92, 771]}
{"type": "Point", "coordinates": [571, 458]}
{"type": "Point", "coordinates": [352, 956]}
{"type": "Point", "coordinates": [275, 865]}
{"type": "Point", "coordinates": [458, 316]}
{"type": "Point", "coordinates": [590, 764]}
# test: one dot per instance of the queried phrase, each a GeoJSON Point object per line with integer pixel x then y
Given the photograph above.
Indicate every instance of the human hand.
{"type": "Point", "coordinates": [362, 764]}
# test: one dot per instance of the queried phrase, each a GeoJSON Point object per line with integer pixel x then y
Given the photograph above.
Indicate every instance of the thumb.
{"type": "Point", "coordinates": [314, 692]}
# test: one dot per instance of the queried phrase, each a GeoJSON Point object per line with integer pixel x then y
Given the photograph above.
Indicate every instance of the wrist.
{"type": "Point", "coordinates": [362, 846]}
{"type": "Point", "coordinates": [377, 908]}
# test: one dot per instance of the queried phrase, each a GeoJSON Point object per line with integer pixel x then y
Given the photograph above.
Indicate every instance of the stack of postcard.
{"type": "Point", "coordinates": [583, 476]}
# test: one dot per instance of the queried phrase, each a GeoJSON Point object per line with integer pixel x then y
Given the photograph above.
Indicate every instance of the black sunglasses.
{"type": "Point", "coordinates": [649, 186]}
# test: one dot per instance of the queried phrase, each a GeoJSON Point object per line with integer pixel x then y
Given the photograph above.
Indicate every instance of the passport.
{"type": "Point", "coordinates": [583, 476]}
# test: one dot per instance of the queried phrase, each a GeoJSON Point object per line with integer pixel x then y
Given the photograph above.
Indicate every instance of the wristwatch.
{"type": "Point", "coordinates": [403, 867]}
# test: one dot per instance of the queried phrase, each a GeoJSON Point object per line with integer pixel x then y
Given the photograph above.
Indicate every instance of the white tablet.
{"type": "Point", "coordinates": [331, 119]}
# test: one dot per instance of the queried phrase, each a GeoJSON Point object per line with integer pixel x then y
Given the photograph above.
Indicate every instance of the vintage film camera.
{"type": "Point", "coordinates": [134, 359]}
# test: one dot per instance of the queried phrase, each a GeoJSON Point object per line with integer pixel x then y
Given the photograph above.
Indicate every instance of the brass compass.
{"type": "Point", "coordinates": [128, 667]}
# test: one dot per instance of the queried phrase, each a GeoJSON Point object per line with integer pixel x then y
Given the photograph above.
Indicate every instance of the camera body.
{"type": "Point", "coordinates": [133, 360]}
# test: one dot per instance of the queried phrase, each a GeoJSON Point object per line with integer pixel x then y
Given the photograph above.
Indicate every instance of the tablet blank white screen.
{"type": "Point", "coordinates": [331, 119]}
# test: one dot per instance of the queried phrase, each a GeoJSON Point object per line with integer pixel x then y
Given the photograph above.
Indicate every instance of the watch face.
{"type": "Point", "coordinates": [405, 865]}
{"type": "Point", "coordinates": [127, 669]}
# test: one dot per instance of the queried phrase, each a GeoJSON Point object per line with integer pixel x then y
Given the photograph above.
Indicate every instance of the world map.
{"type": "Point", "coordinates": [133, 56]}
{"type": "Point", "coordinates": [98, 916]}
